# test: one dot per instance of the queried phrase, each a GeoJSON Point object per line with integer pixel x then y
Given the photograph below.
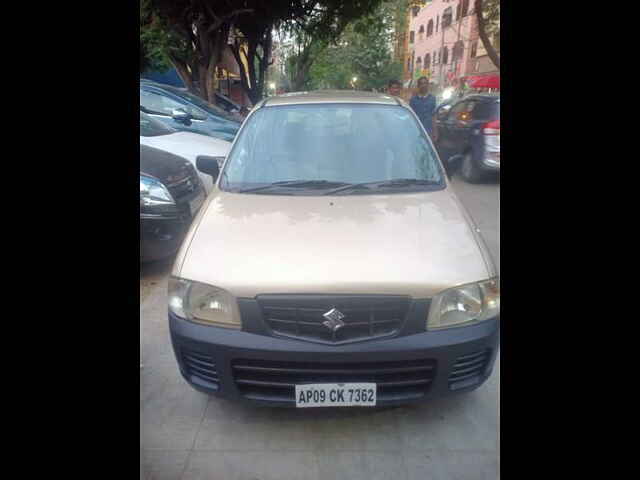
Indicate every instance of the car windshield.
{"type": "Point", "coordinates": [199, 102]}
{"type": "Point", "coordinates": [324, 146]}
{"type": "Point", "coordinates": [150, 127]}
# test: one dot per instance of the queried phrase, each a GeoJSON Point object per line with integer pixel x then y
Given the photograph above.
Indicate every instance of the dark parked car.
{"type": "Point", "coordinates": [171, 193]}
{"type": "Point", "coordinates": [469, 130]}
{"type": "Point", "coordinates": [184, 111]}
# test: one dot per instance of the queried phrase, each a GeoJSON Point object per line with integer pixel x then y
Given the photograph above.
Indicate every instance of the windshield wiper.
{"type": "Point", "coordinates": [401, 182]}
{"type": "Point", "coordinates": [396, 182]}
{"type": "Point", "coordinates": [294, 184]}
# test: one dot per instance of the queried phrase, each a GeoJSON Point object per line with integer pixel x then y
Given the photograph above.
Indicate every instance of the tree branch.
{"type": "Point", "coordinates": [221, 20]}
{"type": "Point", "coordinates": [493, 55]}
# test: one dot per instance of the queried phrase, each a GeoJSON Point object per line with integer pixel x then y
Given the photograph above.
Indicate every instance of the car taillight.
{"type": "Point", "coordinates": [491, 128]}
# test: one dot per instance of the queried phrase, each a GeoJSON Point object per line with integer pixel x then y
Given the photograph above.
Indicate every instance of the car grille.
{"type": "Point", "coordinates": [468, 369]}
{"type": "Point", "coordinates": [201, 369]}
{"type": "Point", "coordinates": [276, 381]}
{"type": "Point", "coordinates": [365, 317]}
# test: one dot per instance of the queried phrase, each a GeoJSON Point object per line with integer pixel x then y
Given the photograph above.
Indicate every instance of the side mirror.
{"type": "Point", "coordinates": [180, 115]}
{"type": "Point", "coordinates": [209, 165]}
{"type": "Point", "coordinates": [442, 113]}
{"type": "Point", "coordinates": [453, 164]}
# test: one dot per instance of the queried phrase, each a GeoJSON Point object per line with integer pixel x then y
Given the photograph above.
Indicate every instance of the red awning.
{"type": "Point", "coordinates": [486, 81]}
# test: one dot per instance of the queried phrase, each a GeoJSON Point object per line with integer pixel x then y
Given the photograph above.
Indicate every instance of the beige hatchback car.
{"type": "Point", "coordinates": [332, 264]}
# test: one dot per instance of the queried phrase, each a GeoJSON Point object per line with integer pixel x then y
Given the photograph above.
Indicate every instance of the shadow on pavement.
{"type": "Point", "coordinates": [155, 269]}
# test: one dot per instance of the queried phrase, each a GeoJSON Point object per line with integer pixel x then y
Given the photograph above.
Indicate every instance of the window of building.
{"type": "Point", "coordinates": [447, 17]}
{"type": "Point", "coordinates": [458, 50]}
{"type": "Point", "coordinates": [474, 49]}
{"type": "Point", "coordinates": [430, 28]}
{"type": "Point", "coordinates": [415, 11]}
{"type": "Point", "coordinates": [445, 55]}
{"type": "Point", "coordinates": [465, 8]}
{"type": "Point", "coordinates": [437, 22]}
{"type": "Point", "coordinates": [427, 61]}
{"type": "Point", "coordinates": [421, 33]}
{"type": "Point", "coordinates": [411, 36]}
{"type": "Point", "coordinates": [458, 12]}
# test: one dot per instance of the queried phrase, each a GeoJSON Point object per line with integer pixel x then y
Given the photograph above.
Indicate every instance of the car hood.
{"type": "Point", "coordinates": [188, 145]}
{"type": "Point", "coordinates": [409, 244]}
{"type": "Point", "coordinates": [161, 164]}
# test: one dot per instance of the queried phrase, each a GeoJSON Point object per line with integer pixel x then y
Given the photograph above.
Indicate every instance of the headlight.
{"type": "Point", "coordinates": [465, 305]}
{"type": "Point", "coordinates": [203, 303]}
{"type": "Point", "coordinates": [153, 193]}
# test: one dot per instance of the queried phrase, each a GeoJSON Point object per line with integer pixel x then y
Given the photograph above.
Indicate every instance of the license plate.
{"type": "Point", "coordinates": [336, 395]}
{"type": "Point", "coordinates": [196, 203]}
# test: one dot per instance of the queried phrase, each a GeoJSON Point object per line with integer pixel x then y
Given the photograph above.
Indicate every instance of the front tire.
{"type": "Point", "coordinates": [470, 171]}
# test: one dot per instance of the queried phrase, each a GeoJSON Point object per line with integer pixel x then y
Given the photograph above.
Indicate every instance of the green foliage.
{"type": "Point", "coordinates": [363, 51]}
{"type": "Point", "coordinates": [320, 29]}
{"type": "Point", "coordinates": [156, 41]}
{"type": "Point", "coordinates": [491, 14]}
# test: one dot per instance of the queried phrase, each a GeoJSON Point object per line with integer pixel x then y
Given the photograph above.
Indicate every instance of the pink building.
{"type": "Point", "coordinates": [444, 44]}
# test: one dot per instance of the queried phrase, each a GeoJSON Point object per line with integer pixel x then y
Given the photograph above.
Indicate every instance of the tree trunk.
{"type": "Point", "coordinates": [251, 59]}
{"type": "Point", "coordinates": [493, 55]}
{"type": "Point", "coordinates": [183, 73]}
{"type": "Point", "coordinates": [302, 71]}
{"type": "Point", "coordinates": [235, 50]}
{"type": "Point", "coordinates": [202, 79]}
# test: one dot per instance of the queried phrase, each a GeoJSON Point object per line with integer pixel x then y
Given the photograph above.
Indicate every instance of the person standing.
{"type": "Point", "coordinates": [394, 88]}
{"type": "Point", "coordinates": [424, 104]}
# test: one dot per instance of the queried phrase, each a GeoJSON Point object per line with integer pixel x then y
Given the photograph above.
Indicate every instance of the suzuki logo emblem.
{"type": "Point", "coordinates": [334, 319]}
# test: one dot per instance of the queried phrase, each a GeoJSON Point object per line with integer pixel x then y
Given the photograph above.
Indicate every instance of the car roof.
{"type": "Point", "coordinates": [330, 96]}
{"type": "Point", "coordinates": [164, 86]}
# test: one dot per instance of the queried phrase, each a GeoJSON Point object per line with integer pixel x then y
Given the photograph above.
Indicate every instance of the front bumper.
{"type": "Point", "coordinates": [461, 359]}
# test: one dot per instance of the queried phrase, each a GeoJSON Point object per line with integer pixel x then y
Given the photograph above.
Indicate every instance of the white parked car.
{"type": "Point", "coordinates": [184, 144]}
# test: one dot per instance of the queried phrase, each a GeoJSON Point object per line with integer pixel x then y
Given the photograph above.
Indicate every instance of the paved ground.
{"type": "Point", "coordinates": [186, 435]}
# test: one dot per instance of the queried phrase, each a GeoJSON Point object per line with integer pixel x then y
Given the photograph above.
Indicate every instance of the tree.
{"type": "Point", "coordinates": [362, 51]}
{"type": "Point", "coordinates": [192, 35]}
{"type": "Point", "coordinates": [316, 31]}
{"type": "Point", "coordinates": [154, 42]}
{"type": "Point", "coordinates": [488, 15]}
